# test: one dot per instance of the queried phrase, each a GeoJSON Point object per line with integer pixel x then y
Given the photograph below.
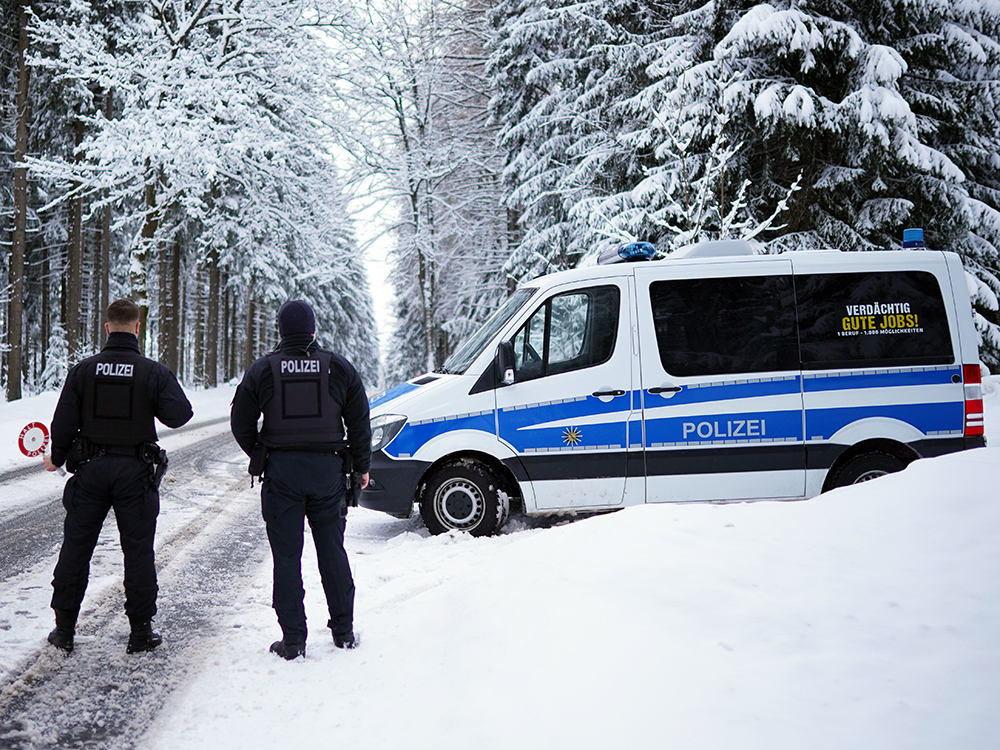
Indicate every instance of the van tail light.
{"type": "Point", "coordinates": [973, 400]}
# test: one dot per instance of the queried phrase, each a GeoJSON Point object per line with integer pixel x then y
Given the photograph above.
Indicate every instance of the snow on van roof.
{"type": "Point", "coordinates": [714, 249]}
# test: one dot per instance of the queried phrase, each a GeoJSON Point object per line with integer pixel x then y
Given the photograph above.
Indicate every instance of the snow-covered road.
{"type": "Point", "coordinates": [209, 536]}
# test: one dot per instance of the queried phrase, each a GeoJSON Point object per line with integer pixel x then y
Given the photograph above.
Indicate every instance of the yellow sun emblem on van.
{"type": "Point", "coordinates": [572, 436]}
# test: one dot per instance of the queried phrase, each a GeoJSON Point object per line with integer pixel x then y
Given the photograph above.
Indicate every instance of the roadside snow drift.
{"type": "Point", "coordinates": [868, 617]}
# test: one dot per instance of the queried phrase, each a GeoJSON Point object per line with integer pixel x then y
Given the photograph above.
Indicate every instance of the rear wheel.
{"type": "Point", "coordinates": [865, 467]}
{"type": "Point", "coordinates": [464, 496]}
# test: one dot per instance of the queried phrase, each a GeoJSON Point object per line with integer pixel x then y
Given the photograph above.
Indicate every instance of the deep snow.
{"type": "Point", "coordinates": [865, 618]}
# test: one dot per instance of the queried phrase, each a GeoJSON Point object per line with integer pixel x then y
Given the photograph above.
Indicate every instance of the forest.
{"type": "Point", "coordinates": [213, 158]}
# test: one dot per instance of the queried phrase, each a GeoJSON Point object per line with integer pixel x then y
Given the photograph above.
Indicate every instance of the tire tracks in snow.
{"type": "Point", "coordinates": [99, 697]}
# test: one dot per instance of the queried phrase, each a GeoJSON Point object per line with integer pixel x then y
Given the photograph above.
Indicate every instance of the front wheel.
{"type": "Point", "coordinates": [865, 467]}
{"type": "Point", "coordinates": [464, 496]}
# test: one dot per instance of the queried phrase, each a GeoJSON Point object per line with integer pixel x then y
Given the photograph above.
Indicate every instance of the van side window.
{"type": "Point", "coordinates": [872, 319]}
{"type": "Point", "coordinates": [568, 332]}
{"type": "Point", "coordinates": [725, 325]}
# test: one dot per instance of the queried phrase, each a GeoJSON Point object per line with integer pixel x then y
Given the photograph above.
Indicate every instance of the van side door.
{"type": "Point", "coordinates": [566, 415]}
{"type": "Point", "coordinates": [721, 385]}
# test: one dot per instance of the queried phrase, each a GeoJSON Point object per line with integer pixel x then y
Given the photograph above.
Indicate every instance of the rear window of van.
{"type": "Point", "coordinates": [723, 326]}
{"type": "Point", "coordinates": [889, 318]}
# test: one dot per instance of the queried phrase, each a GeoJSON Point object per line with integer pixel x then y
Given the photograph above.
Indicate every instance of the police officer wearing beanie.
{"type": "Point", "coordinates": [314, 405]}
{"type": "Point", "coordinates": [103, 431]}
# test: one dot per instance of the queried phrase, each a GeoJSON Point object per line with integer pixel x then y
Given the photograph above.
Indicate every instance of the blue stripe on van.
{"type": "Point", "coordinates": [415, 434]}
{"type": "Point", "coordinates": [726, 390]}
{"type": "Point", "coordinates": [821, 424]}
{"type": "Point", "coordinates": [518, 424]}
{"type": "Point", "coordinates": [635, 433]}
{"type": "Point", "coordinates": [836, 381]}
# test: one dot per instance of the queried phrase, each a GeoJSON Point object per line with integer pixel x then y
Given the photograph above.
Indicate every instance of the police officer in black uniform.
{"type": "Point", "coordinates": [103, 431]}
{"type": "Point", "coordinates": [308, 396]}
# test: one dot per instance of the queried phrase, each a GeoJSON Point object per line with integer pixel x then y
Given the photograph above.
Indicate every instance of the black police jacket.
{"type": "Point", "coordinates": [345, 389]}
{"type": "Point", "coordinates": [113, 397]}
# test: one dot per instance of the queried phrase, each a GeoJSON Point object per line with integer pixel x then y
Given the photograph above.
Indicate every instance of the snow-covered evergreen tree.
{"type": "Point", "coordinates": [882, 114]}
{"type": "Point", "coordinates": [220, 151]}
{"type": "Point", "coordinates": [879, 107]}
{"type": "Point", "coordinates": [536, 75]}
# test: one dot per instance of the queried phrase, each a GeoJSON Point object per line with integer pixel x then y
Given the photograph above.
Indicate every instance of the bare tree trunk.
{"type": "Point", "coordinates": [74, 265]}
{"type": "Point", "coordinates": [106, 234]}
{"type": "Point", "coordinates": [140, 283]}
{"type": "Point", "coordinates": [513, 241]}
{"type": "Point", "coordinates": [228, 366]}
{"type": "Point", "coordinates": [250, 346]}
{"type": "Point", "coordinates": [169, 333]}
{"type": "Point", "coordinates": [45, 314]}
{"type": "Point", "coordinates": [162, 264]}
{"type": "Point", "coordinates": [236, 346]}
{"type": "Point", "coordinates": [182, 314]}
{"type": "Point", "coordinates": [199, 324]}
{"type": "Point", "coordinates": [212, 322]}
{"type": "Point", "coordinates": [15, 308]}
{"type": "Point", "coordinates": [94, 306]}
{"type": "Point", "coordinates": [175, 339]}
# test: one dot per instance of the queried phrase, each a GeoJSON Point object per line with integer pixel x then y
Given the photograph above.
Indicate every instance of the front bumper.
{"type": "Point", "coordinates": [392, 485]}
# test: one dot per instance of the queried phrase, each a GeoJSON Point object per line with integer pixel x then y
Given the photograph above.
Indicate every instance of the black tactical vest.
{"type": "Point", "coordinates": [116, 408]}
{"type": "Point", "coordinates": [302, 412]}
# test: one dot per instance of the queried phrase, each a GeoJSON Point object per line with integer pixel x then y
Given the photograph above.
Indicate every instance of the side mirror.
{"type": "Point", "coordinates": [504, 363]}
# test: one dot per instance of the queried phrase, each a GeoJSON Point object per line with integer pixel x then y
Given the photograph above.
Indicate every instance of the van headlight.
{"type": "Point", "coordinates": [384, 428]}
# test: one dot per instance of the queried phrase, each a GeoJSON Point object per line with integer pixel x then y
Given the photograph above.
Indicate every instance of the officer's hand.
{"type": "Point", "coordinates": [364, 481]}
{"type": "Point", "coordinates": [47, 463]}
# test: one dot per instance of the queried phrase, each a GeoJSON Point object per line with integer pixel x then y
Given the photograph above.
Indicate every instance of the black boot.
{"type": "Point", "coordinates": [345, 640]}
{"type": "Point", "coordinates": [62, 636]}
{"type": "Point", "coordinates": [288, 651]}
{"type": "Point", "coordinates": [142, 637]}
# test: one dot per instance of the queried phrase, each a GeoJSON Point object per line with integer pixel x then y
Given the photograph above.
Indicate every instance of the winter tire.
{"type": "Point", "coordinates": [866, 467]}
{"type": "Point", "coordinates": [464, 496]}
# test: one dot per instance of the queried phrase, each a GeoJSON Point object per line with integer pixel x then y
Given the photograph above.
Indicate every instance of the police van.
{"type": "Point", "coordinates": [715, 374]}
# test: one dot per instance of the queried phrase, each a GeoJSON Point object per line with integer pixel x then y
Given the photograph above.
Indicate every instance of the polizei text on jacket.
{"type": "Point", "coordinates": [299, 366]}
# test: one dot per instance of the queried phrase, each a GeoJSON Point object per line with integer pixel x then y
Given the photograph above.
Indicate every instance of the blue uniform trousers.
{"type": "Point", "coordinates": [299, 485]}
{"type": "Point", "coordinates": [103, 483]}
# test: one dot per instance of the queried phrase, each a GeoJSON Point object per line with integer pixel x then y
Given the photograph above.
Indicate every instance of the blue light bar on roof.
{"type": "Point", "coordinates": [627, 253]}
{"type": "Point", "coordinates": [913, 238]}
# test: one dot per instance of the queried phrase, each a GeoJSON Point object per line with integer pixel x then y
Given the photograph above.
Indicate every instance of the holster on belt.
{"type": "Point", "coordinates": [156, 458]}
{"type": "Point", "coordinates": [352, 479]}
{"type": "Point", "coordinates": [258, 462]}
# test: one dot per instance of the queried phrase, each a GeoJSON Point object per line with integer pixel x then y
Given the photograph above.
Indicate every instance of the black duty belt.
{"type": "Point", "coordinates": [119, 450]}
{"type": "Point", "coordinates": [306, 449]}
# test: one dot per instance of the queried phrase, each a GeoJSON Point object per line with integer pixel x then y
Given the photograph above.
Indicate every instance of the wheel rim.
{"type": "Point", "coordinates": [459, 503]}
{"type": "Point", "coordinates": [870, 475]}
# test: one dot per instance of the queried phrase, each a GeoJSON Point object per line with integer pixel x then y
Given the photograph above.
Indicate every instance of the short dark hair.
{"type": "Point", "coordinates": [123, 312]}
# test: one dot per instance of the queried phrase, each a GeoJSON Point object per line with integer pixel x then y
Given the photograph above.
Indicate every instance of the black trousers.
{"type": "Point", "coordinates": [297, 486]}
{"type": "Point", "coordinates": [106, 482]}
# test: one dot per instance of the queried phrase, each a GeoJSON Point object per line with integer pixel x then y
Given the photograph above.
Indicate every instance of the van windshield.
{"type": "Point", "coordinates": [466, 354]}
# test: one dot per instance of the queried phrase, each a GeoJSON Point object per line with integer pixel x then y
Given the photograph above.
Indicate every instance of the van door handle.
{"type": "Point", "coordinates": [665, 389]}
{"type": "Point", "coordinates": [598, 394]}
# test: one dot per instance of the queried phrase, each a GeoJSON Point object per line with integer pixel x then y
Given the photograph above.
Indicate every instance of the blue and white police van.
{"type": "Point", "coordinates": [715, 374]}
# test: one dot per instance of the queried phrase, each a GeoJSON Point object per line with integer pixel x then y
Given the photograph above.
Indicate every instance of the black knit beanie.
{"type": "Point", "coordinates": [295, 316]}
